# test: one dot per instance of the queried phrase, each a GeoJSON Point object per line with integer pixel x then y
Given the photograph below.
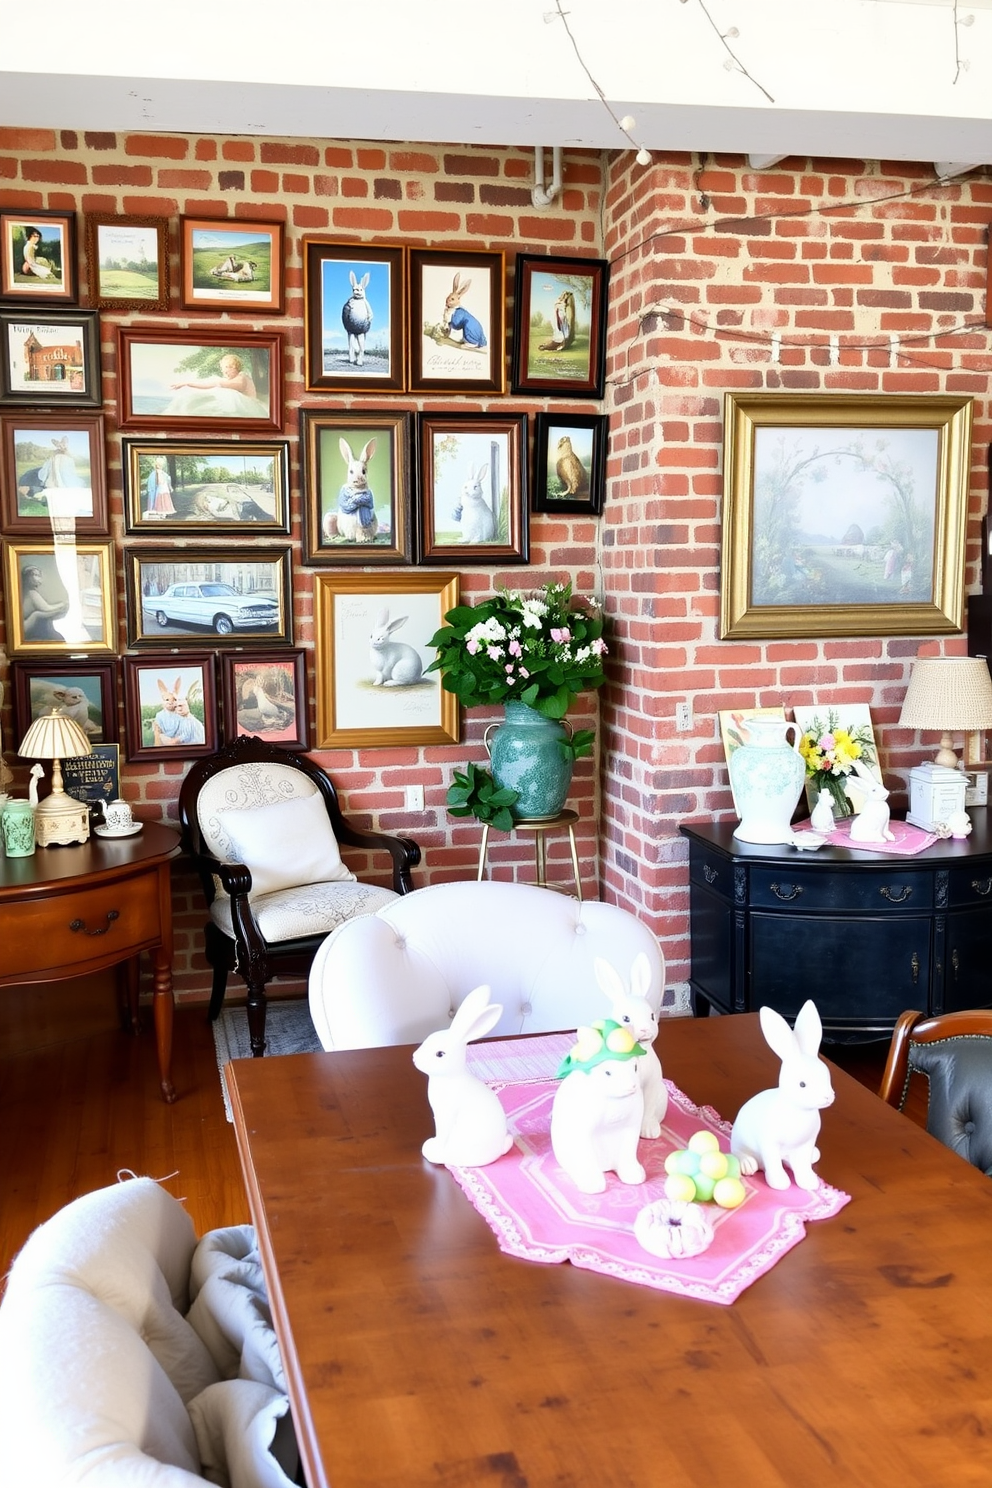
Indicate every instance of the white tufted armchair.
{"type": "Point", "coordinates": [263, 825]}
{"type": "Point", "coordinates": [399, 974]}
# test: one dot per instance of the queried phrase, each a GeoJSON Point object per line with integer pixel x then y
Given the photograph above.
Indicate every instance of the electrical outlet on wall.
{"type": "Point", "coordinates": [414, 798]}
{"type": "Point", "coordinates": [683, 717]}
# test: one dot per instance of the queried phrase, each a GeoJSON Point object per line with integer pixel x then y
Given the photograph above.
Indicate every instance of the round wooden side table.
{"type": "Point", "coordinates": [540, 827]}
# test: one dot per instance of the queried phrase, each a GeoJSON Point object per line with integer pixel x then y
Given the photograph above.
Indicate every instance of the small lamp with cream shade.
{"type": "Point", "coordinates": [946, 694]}
{"type": "Point", "coordinates": [58, 819]}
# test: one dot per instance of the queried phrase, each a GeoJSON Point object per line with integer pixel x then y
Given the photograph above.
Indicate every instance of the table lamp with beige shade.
{"type": "Point", "coordinates": [59, 819]}
{"type": "Point", "coordinates": [946, 694]}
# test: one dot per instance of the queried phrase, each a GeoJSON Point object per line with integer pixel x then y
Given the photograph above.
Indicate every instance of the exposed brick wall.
{"type": "Point", "coordinates": [710, 259]}
{"type": "Point", "coordinates": [424, 195]}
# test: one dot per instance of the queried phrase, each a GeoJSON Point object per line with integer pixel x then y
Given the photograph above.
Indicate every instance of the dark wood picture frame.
{"type": "Point", "coordinates": [66, 357]}
{"type": "Point", "coordinates": [52, 470]}
{"type": "Point", "coordinates": [444, 331]}
{"type": "Point", "coordinates": [570, 463]}
{"type": "Point", "coordinates": [173, 736]}
{"type": "Point", "coordinates": [220, 508]}
{"type": "Point", "coordinates": [119, 283]}
{"type": "Point", "coordinates": [215, 619]}
{"type": "Point", "coordinates": [335, 274]}
{"type": "Point", "coordinates": [219, 409]}
{"type": "Point", "coordinates": [230, 262]}
{"type": "Point", "coordinates": [324, 472]}
{"type": "Point", "coordinates": [52, 679]}
{"type": "Point", "coordinates": [41, 287]}
{"type": "Point", "coordinates": [253, 688]}
{"type": "Point", "coordinates": [559, 326]}
{"type": "Point", "coordinates": [462, 493]}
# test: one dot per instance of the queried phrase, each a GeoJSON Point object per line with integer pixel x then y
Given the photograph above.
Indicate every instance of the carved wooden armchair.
{"type": "Point", "coordinates": [262, 826]}
{"type": "Point", "coordinates": [954, 1053]}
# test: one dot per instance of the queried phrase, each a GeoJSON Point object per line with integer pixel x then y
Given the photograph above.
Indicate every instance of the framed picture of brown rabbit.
{"type": "Point", "coordinates": [457, 321]}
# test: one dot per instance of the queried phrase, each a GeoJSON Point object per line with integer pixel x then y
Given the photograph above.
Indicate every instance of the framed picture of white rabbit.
{"type": "Point", "coordinates": [170, 706]}
{"type": "Point", "coordinates": [457, 322]}
{"type": "Point", "coordinates": [472, 503]}
{"type": "Point", "coordinates": [372, 653]}
{"type": "Point", "coordinates": [265, 694]}
{"type": "Point", "coordinates": [86, 691]}
{"type": "Point", "coordinates": [192, 596]}
{"type": "Point", "coordinates": [356, 475]}
{"type": "Point", "coordinates": [559, 326]}
{"type": "Point", "coordinates": [354, 307]}
{"type": "Point", "coordinates": [210, 486]}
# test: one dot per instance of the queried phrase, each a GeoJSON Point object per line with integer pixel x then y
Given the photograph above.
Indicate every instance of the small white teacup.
{"type": "Point", "coordinates": [117, 816]}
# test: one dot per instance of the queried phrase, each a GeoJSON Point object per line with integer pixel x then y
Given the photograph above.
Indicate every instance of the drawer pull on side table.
{"type": "Point", "coordinates": [112, 915]}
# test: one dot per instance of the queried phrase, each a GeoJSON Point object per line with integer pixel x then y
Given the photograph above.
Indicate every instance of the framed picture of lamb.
{"type": "Point", "coordinates": [232, 265]}
{"type": "Point", "coordinates": [354, 308]}
{"type": "Point", "coordinates": [356, 487]}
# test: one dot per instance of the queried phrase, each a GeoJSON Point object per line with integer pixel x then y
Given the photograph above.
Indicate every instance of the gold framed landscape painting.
{"type": "Point", "coordinates": [844, 515]}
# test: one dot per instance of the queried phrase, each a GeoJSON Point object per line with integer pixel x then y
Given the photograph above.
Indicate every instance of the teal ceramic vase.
{"type": "Point", "coordinates": [17, 824]}
{"type": "Point", "coordinates": [526, 755]}
{"type": "Point", "coordinates": [767, 775]}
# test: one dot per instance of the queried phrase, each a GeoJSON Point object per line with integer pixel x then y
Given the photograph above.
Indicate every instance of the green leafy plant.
{"type": "Point", "coordinates": [542, 650]}
{"type": "Point", "coordinates": [474, 792]}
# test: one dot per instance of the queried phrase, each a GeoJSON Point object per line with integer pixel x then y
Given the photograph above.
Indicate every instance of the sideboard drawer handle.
{"type": "Point", "coordinates": [710, 874]}
{"type": "Point", "coordinates": [76, 925]}
{"type": "Point", "coordinates": [790, 891]}
{"type": "Point", "coordinates": [982, 886]}
{"type": "Point", "coordinates": [896, 896]}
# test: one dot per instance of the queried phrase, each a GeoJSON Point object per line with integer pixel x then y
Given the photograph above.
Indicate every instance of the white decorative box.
{"type": "Point", "coordinates": [935, 794]}
{"type": "Point", "coordinates": [977, 792]}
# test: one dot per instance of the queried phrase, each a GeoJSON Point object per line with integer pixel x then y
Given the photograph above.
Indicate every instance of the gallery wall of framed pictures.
{"type": "Point", "coordinates": [209, 461]}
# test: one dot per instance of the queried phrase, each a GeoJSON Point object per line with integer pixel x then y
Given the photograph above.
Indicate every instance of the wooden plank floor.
{"type": "Point", "coordinates": [79, 1101]}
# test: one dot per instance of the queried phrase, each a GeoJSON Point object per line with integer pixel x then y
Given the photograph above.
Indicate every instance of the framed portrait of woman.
{"type": "Point", "coordinates": [198, 379]}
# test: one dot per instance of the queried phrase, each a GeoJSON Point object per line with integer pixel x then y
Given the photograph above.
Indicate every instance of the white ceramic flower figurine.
{"type": "Point", "coordinates": [598, 1108]}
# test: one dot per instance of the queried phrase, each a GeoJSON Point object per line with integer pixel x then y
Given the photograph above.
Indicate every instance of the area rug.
{"type": "Point", "coordinates": [288, 1030]}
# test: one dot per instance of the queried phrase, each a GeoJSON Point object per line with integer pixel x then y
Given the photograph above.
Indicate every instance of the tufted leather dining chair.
{"type": "Point", "coordinates": [953, 1051]}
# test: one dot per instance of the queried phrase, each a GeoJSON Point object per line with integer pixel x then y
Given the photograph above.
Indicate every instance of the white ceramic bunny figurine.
{"type": "Point", "coordinates": [598, 1107]}
{"type": "Point", "coordinates": [633, 1011]}
{"type": "Point", "coordinates": [781, 1126]}
{"type": "Point", "coordinates": [872, 822]}
{"type": "Point", "coordinates": [822, 816]}
{"type": "Point", "coordinates": [468, 1117]}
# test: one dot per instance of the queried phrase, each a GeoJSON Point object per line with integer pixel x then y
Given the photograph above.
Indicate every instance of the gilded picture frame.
{"type": "Point", "coordinates": [844, 514]}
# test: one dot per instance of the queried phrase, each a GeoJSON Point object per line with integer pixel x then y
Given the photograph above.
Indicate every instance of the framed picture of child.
{"type": "Point", "coordinates": [53, 474]}
{"type": "Point", "coordinates": [38, 256]}
{"type": "Point", "coordinates": [170, 706]}
{"type": "Point", "coordinates": [199, 379]}
{"type": "Point", "coordinates": [209, 486]}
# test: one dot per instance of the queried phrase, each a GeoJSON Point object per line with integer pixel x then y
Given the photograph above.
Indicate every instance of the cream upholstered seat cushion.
{"type": "Point", "coordinates": [285, 844]}
{"type": "Point", "coordinates": [314, 909]}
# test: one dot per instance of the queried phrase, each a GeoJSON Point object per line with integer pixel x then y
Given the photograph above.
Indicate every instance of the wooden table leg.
{"type": "Point", "coordinates": [162, 1007]}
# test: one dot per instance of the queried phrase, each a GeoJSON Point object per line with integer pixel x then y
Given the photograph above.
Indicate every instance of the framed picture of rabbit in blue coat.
{"type": "Point", "coordinates": [354, 298]}
{"type": "Point", "coordinates": [457, 322]}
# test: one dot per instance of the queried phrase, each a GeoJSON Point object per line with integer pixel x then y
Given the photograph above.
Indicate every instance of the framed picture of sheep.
{"type": "Point", "coordinates": [354, 317]}
{"type": "Point", "coordinates": [231, 265]}
{"type": "Point", "coordinates": [559, 326]}
{"type": "Point", "coordinates": [265, 694]}
{"type": "Point", "coordinates": [472, 505]}
{"type": "Point", "coordinates": [356, 487]}
{"type": "Point", "coordinates": [373, 649]}
{"type": "Point", "coordinates": [208, 486]}
{"type": "Point", "coordinates": [170, 706]}
{"type": "Point", "coordinates": [570, 463]}
{"type": "Point", "coordinates": [85, 690]}
{"type": "Point", "coordinates": [457, 321]}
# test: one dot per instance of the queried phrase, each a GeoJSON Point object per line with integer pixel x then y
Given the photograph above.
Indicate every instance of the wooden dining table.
{"type": "Point", "coordinates": [418, 1353]}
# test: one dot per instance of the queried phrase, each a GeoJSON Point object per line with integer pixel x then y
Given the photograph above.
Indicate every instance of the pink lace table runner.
{"type": "Point", "coordinates": [907, 839]}
{"type": "Point", "coordinates": [536, 1213]}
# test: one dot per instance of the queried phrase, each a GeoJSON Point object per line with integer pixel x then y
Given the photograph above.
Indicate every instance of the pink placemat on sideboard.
{"type": "Point", "coordinates": [536, 1213]}
{"type": "Point", "coordinates": [908, 840]}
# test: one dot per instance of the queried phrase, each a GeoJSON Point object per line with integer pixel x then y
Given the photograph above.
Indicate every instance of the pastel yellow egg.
{"type": "Point", "coordinates": [714, 1165]}
{"type": "Point", "coordinates": [672, 1162]}
{"type": "Point", "coordinates": [704, 1141]}
{"type": "Point", "coordinates": [729, 1193]}
{"type": "Point", "coordinates": [680, 1188]}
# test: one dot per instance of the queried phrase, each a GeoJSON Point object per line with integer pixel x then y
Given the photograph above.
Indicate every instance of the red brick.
{"type": "Point", "coordinates": [185, 180]}
{"type": "Point", "coordinates": [310, 216]}
{"type": "Point", "coordinates": [419, 161]}
{"type": "Point", "coordinates": [354, 186]}
{"type": "Point", "coordinates": [122, 175]}
{"type": "Point", "coordinates": [158, 146]}
{"type": "Point", "coordinates": [238, 149]}
{"type": "Point", "coordinates": [274, 152]}
{"type": "Point", "coordinates": [206, 149]}
{"type": "Point", "coordinates": [65, 172]}
{"type": "Point", "coordinates": [27, 140]}
{"type": "Point", "coordinates": [335, 155]}
{"type": "Point", "coordinates": [264, 180]}
{"type": "Point", "coordinates": [363, 219]}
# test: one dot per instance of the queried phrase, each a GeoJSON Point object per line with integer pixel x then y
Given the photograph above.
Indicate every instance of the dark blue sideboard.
{"type": "Point", "coordinates": [866, 935]}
